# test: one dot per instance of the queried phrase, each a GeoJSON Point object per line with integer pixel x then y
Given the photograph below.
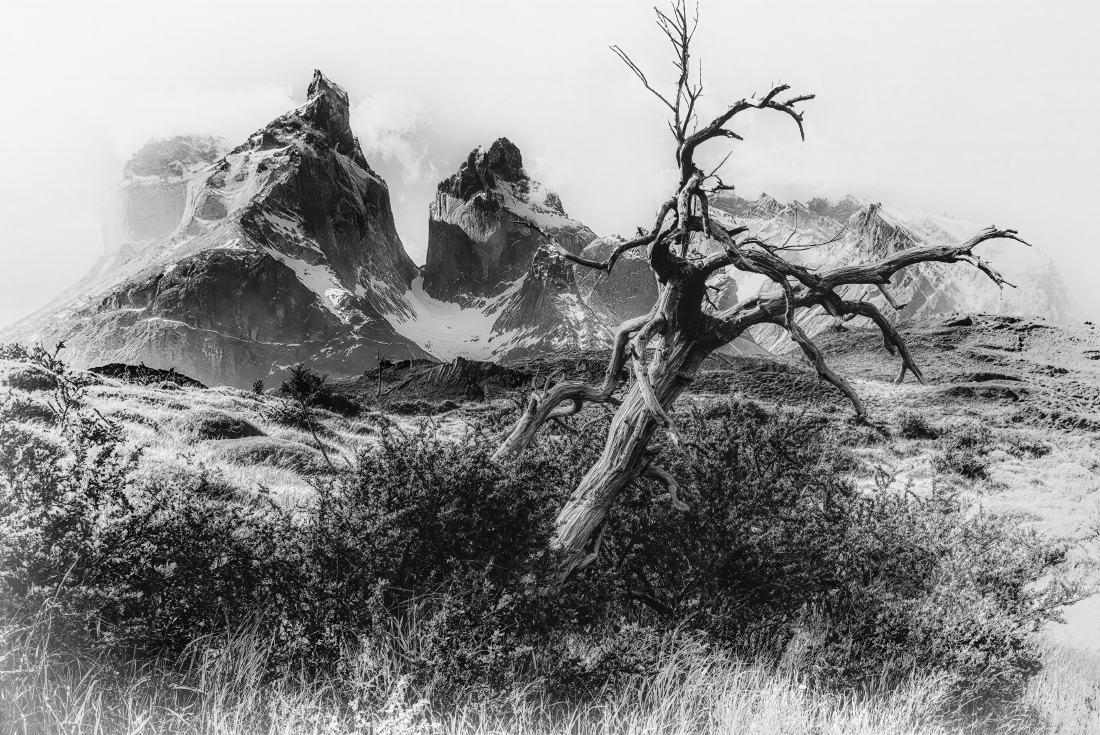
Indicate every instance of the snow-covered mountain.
{"type": "Point", "coordinates": [493, 285]}
{"type": "Point", "coordinates": [231, 265]}
{"type": "Point", "coordinates": [284, 250]}
{"type": "Point", "coordinates": [872, 231]}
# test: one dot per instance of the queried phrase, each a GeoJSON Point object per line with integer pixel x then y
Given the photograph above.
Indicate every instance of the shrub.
{"type": "Point", "coordinates": [935, 589]}
{"type": "Point", "coordinates": [913, 425]}
{"type": "Point", "coordinates": [14, 351]}
{"type": "Point", "coordinates": [1022, 446]}
{"type": "Point", "coordinates": [437, 527]}
{"type": "Point", "coordinates": [962, 462]}
{"type": "Point", "coordinates": [29, 377]}
{"type": "Point", "coordinates": [25, 408]}
{"type": "Point", "coordinates": [776, 557]}
{"type": "Point", "coordinates": [308, 389]}
{"type": "Point", "coordinates": [777, 553]}
{"type": "Point", "coordinates": [124, 567]}
{"type": "Point", "coordinates": [964, 452]}
{"type": "Point", "coordinates": [206, 423]}
{"type": "Point", "coordinates": [767, 513]}
{"type": "Point", "coordinates": [267, 451]}
{"type": "Point", "coordinates": [258, 387]}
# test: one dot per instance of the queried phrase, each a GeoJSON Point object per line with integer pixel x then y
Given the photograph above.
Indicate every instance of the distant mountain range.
{"type": "Point", "coordinates": [234, 264]}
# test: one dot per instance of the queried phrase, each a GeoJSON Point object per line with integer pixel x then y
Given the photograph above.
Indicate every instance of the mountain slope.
{"type": "Point", "coordinates": [494, 286]}
{"type": "Point", "coordinates": [857, 232]}
{"type": "Point", "coordinates": [285, 251]}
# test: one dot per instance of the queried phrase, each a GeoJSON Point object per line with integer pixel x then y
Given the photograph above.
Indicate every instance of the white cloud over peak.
{"type": "Point", "coordinates": [391, 125]}
{"type": "Point", "coordinates": [233, 113]}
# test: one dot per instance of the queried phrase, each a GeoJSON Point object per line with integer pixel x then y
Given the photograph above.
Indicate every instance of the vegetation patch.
{"type": "Point", "coordinates": [27, 377]}
{"type": "Point", "coordinates": [206, 423]}
{"type": "Point", "coordinates": [25, 407]}
{"type": "Point", "coordinates": [267, 451]}
{"type": "Point", "coordinates": [912, 425]}
{"type": "Point", "coordinates": [435, 563]}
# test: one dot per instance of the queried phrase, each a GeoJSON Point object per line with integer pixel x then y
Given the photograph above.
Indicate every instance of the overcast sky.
{"type": "Point", "coordinates": [982, 110]}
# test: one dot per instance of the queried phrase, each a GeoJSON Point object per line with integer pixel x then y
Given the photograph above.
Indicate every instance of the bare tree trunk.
{"type": "Point", "coordinates": [580, 523]}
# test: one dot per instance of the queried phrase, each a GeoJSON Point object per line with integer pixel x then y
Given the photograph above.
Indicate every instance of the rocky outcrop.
{"type": "Point", "coordinates": [285, 252]}
{"type": "Point", "coordinates": [546, 313]}
{"type": "Point", "coordinates": [478, 239]}
{"type": "Point", "coordinates": [630, 289]}
{"type": "Point", "coordinates": [495, 285]}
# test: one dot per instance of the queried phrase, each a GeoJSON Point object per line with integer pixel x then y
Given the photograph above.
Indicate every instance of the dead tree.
{"type": "Point", "coordinates": [666, 347]}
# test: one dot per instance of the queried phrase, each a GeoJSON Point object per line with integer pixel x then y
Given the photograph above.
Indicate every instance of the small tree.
{"type": "Point", "coordinates": [683, 329]}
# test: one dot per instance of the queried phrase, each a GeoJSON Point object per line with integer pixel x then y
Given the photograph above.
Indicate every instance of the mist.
{"type": "Point", "coordinates": [976, 109]}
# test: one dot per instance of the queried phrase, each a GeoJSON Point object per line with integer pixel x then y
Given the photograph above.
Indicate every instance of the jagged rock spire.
{"type": "Point", "coordinates": [328, 109]}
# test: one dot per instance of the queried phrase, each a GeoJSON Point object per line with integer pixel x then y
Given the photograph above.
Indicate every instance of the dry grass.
{"type": "Point", "coordinates": [1066, 693]}
{"type": "Point", "coordinates": [226, 693]}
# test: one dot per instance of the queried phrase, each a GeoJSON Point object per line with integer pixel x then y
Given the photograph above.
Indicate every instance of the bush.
{"type": "Point", "coordinates": [28, 377]}
{"type": "Point", "coordinates": [767, 515]}
{"type": "Point", "coordinates": [438, 528]}
{"type": "Point", "coordinates": [1024, 447]}
{"type": "Point", "coordinates": [25, 408]}
{"type": "Point", "coordinates": [964, 452]}
{"type": "Point", "coordinates": [913, 425]}
{"type": "Point", "coordinates": [206, 423]}
{"type": "Point", "coordinates": [778, 554]}
{"type": "Point", "coordinates": [14, 351]}
{"type": "Point", "coordinates": [308, 389]}
{"type": "Point", "coordinates": [267, 451]}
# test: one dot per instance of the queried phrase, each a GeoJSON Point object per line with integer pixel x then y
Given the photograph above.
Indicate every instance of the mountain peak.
{"type": "Point", "coordinates": [505, 161]}
{"type": "Point", "coordinates": [323, 86]}
{"type": "Point", "coordinates": [483, 168]}
{"type": "Point", "coordinates": [327, 108]}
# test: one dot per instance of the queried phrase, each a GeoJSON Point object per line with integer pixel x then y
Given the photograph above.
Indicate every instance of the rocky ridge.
{"type": "Point", "coordinates": [495, 284]}
{"type": "Point", "coordinates": [231, 265]}
{"type": "Point", "coordinates": [856, 231]}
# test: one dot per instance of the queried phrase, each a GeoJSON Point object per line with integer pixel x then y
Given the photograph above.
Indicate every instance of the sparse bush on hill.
{"type": "Point", "coordinates": [29, 377]}
{"type": "Point", "coordinates": [201, 424]}
{"type": "Point", "coordinates": [964, 451]}
{"type": "Point", "coordinates": [307, 389]}
{"type": "Point", "coordinates": [912, 425]}
{"type": "Point", "coordinates": [273, 452]}
{"type": "Point", "coordinates": [25, 408]}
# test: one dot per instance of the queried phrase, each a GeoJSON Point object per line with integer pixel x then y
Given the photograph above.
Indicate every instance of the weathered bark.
{"type": "Point", "coordinates": [581, 521]}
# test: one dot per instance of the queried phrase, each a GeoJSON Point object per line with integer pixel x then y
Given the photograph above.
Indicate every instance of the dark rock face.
{"type": "Point", "coordinates": [142, 375]}
{"type": "Point", "coordinates": [630, 289]}
{"type": "Point", "coordinates": [477, 242]}
{"type": "Point", "coordinates": [547, 313]}
{"type": "Point", "coordinates": [286, 252]}
{"type": "Point", "coordinates": [488, 250]}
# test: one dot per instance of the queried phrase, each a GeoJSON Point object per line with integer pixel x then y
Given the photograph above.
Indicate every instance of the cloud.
{"type": "Point", "coordinates": [233, 113]}
{"type": "Point", "coordinates": [551, 172]}
{"type": "Point", "coordinates": [391, 125]}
